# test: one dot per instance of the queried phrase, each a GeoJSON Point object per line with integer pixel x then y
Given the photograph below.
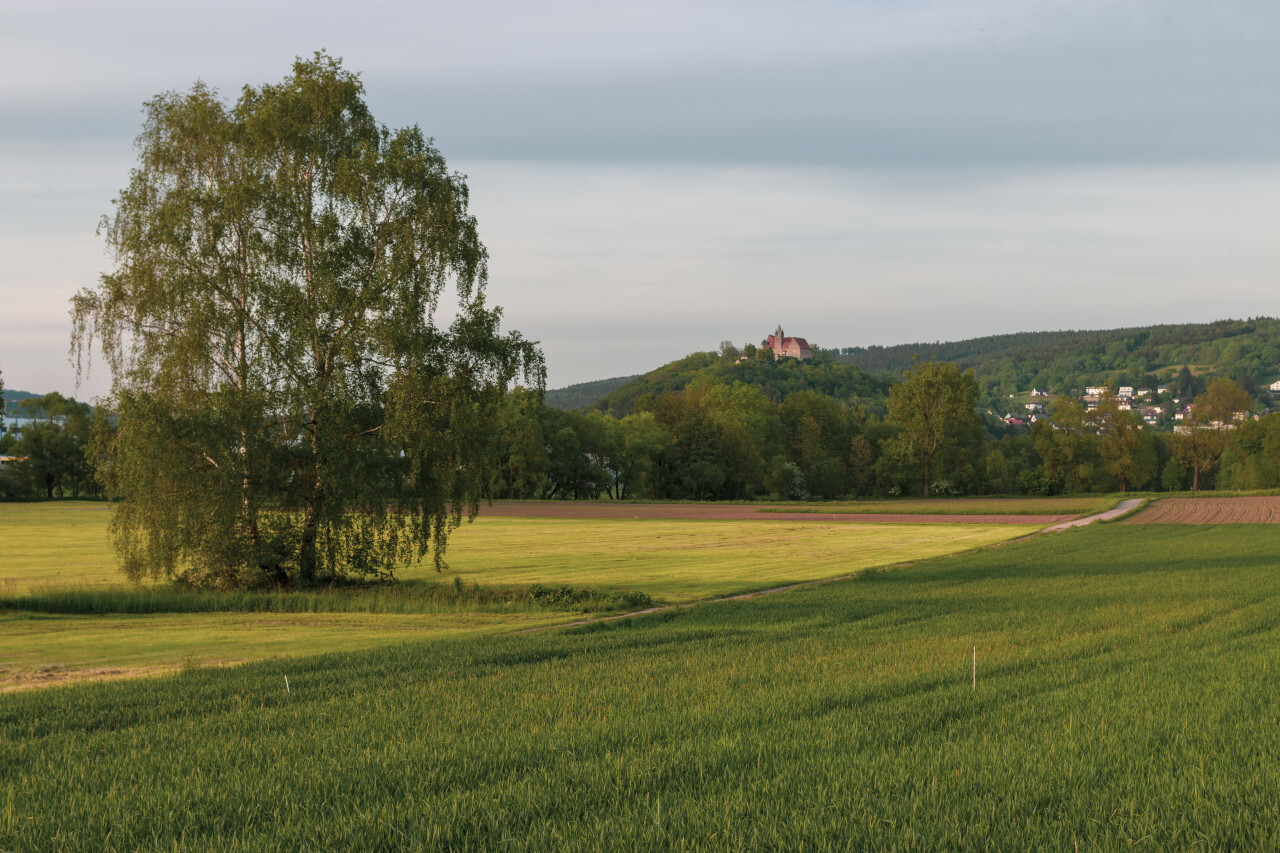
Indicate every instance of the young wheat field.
{"type": "Point", "coordinates": [1124, 699]}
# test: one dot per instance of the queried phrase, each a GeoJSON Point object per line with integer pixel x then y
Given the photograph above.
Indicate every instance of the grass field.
{"type": "Point", "coordinates": [65, 544]}
{"type": "Point", "coordinates": [1125, 700]}
{"type": "Point", "coordinates": [103, 628]}
{"type": "Point", "coordinates": [60, 543]}
{"type": "Point", "coordinates": [683, 560]}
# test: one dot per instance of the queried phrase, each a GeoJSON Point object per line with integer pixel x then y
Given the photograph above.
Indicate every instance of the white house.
{"type": "Point", "coordinates": [1275, 386]}
{"type": "Point", "coordinates": [1096, 390]}
{"type": "Point", "coordinates": [1126, 391]}
{"type": "Point", "coordinates": [1036, 392]}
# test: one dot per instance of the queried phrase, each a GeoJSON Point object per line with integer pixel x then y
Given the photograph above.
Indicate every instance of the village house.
{"type": "Point", "coordinates": [1037, 392]}
{"type": "Point", "coordinates": [1125, 391]}
{"type": "Point", "coordinates": [785, 347]}
{"type": "Point", "coordinates": [1275, 386]}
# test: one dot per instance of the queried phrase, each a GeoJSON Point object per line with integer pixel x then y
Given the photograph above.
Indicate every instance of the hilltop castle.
{"type": "Point", "coordinates": [784, 347]}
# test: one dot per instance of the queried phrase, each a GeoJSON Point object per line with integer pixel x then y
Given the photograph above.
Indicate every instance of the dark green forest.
{"type": "Point", "coordinates": [583, 394]}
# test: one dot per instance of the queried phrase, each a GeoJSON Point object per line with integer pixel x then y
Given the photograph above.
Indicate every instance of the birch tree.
{"type": "Point", "coordinates": [292, 405]}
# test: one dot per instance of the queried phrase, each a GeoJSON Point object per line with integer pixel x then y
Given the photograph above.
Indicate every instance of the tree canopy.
{"type": "Point", "coordinates": [292, 406]}
{"type": "Point", "coordinates": [934, 408]}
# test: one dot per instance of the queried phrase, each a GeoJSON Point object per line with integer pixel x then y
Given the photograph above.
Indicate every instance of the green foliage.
{"type": "Point", "coordinates": [1251, 459]}
{"type": "Point", "coordinates": [289, 410]}
{"type": "Point", "coordinates": [1127, 452]}
{"type": "Point", "coordinates": [584, 394]}
{"type": "Point", "coordinates": [775, 379]}
{"type": "Point", "coordinates": [1200, 444]}
{"type": "Point", "coordinates": [933, 407]}
{"type": "Point", "coordinates": [52, 446]}
{"type": "Point", "coordinates": [1241, 350]}
{"type": "Point", "coordinates": [1124, 699]}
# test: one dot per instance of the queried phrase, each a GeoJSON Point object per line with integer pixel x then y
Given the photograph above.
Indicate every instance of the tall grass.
{"type": "Point", "coordinates": [1125, 700]}
{"type": "Point", "coordinates": [406, 598]}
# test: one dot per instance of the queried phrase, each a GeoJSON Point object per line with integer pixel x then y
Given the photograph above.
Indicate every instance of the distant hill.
{"type": "Point", "coordinates": [823, 375]}
{"type": "Point", "coordinates": [1247, 351]}
{"type": "Point", "coordinates": [1067, 361]}
{"type": "Point", "coordinates": [584, 394]}
{"type": "Point", "coordinates": [12, 397]}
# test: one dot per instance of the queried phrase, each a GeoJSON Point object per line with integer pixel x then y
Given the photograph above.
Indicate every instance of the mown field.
{"type": "Point", "coordinates": [66, 614]}
{"type": "Point", "coordinates": [1125, 700]}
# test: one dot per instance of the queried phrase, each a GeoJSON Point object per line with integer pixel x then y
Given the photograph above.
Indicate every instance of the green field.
{"type": "Point", "coordinates": [683, 560]}
{"type": "Point", "coordinates": [1125, 700]}
{"type": "Point", "coordinates": [101, 627]}
{"type": "Point", "coordinates": [62, 543]}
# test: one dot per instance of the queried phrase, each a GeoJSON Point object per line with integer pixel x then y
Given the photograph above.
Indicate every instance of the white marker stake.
{"type": "Point", "coordinates": [975, 668]}
{"type": "Point", "coordinates": [287, 690]}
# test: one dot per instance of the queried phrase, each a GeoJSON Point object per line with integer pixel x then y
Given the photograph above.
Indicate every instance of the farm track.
{"type": "Point", "coordinates": [1241, 510]}
{"type": "Point", "coordinates": [723, 512]}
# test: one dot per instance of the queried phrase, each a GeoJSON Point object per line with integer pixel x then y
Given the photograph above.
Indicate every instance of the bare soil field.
{"type": "Point", "coordinates": [1242, 510]}
{"type": "Point", "coordinates": [731, 512]}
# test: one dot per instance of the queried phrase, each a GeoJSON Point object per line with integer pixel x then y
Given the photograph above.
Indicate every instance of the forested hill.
{"type": "Point", "coordinates": [13, 398]}
{"type": "Point", "coordinates": [583, 394]}
{"type": "Point", "coordinates": [777, 380]}
{"type": "Point", "coordinates": [1247, 351]}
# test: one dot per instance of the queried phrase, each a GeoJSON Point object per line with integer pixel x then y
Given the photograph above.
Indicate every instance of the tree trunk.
{"type": "Point", "coordinates": [307, 560]}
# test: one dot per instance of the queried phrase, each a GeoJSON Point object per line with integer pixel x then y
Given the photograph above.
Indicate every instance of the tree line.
{"type": "Point", "coordinates": [712, 441]}
{"type": "Point", "coordinates": [717, 441]}
{"type": "Point", "coordinates": [49, 450]}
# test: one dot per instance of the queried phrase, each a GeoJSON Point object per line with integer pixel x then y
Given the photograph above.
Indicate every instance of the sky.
{"type": "Point", "coordinates": [651, 179]}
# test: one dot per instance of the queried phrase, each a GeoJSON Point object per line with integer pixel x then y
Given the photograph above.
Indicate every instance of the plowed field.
{"type": "Point", "coordinates": [1244, 510]}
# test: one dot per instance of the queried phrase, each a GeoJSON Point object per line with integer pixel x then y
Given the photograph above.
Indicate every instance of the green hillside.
{"type": "Point", "coordinates": [1063, 362]}
{"type": "Point", "coordinates": [777, 380]}
{"type": "Point", "coordinates": [1247, 351]}
{"type": "Point", "coordinates": [583, 394]}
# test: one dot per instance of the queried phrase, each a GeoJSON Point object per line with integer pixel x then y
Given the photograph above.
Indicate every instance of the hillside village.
{"type": "Point", "coordinates": [1159, 406]}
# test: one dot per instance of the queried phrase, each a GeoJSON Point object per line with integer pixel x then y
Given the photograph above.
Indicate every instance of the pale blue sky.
{"type": "Point", "coordinates": [653, 178]}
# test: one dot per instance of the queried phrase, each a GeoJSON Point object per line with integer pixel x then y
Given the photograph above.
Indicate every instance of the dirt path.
{"type": "Point", "coordinates": [1119, 510]}
{"type": "Point", "coordinates": [730, 512]}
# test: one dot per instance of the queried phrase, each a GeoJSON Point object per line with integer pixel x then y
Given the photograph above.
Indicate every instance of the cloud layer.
{"type": "Point", "coordinates": [651, 178]}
